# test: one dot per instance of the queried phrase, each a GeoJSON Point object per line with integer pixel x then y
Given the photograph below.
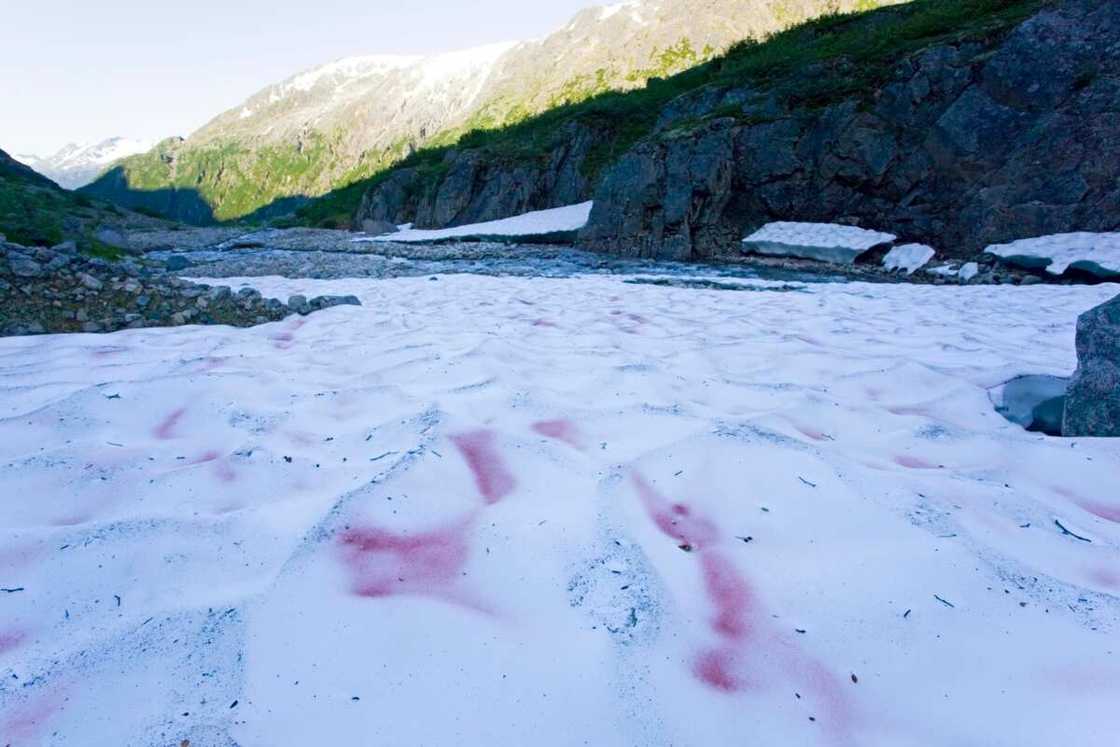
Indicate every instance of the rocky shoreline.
{"type": "Point", "coordinates": [329, 254]}
{"type": "Point", "coordinates": [50, 290]}
{"type": "Point", "coordinates": [60, 289]}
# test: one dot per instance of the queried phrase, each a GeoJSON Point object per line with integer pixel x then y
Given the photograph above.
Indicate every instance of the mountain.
{"type": "Point", "coordinates": [34, 211]}
{"type": "Point", "coordinates": [77, 165]}
{"type": "Point", "coordinates": [954, 123]}
{"type": "Point", "coordinates": [335, 124]}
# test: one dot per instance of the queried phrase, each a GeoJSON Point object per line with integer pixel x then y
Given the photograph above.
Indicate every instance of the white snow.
{"type": "Point", "coordinates": [826, 242]}
{"type": "Point", "coordinates": [78, 164]}
{"type": "Point", "coordinates": [908, 257]}
{"type": "Point", "coordinates": [944, 270]}
{"type": "Point", "coordinates": [1098, 253]}
{"type": "Point", "coordinates": [454, 516]}
{"type": "Point", "coordinates": [968, 271]}
{"type": "Point", "coordinates": [538, 222]}
{"type": "Point", "coordinates": [350, 67]}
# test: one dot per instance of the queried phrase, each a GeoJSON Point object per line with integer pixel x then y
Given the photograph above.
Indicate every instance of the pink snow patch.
{"type": "Point", "coordinates": [1106, 577]}
{"type": "Point", "coordinates": [560, 430]}
{"type": "Point", "coordinates": [675, 519]}
{"type": "Point", "coordinates": [913, 462]}
{"type": "Point", "coordinates": [384, 564]}
{"type": "Point", "coordinates": [24, 725]}
{"type": "Point", "coordinates": [1108, 512]}
{"type": "Point", "coordinates": [286, 338]}
{"type": "Point", "coordinates": [491, 475]}
{"type": "Point", "coordinates": [810, 432]}
{"type": "Point", "coordinates": [714, 668]}
{"type": "Point", "coordinates": [222, 470]}
{"type": "Point", "coordinates": [730, 593]}
{"type": "Point", "coordinates": [750, 644]}
{"type": "Point", "coordinates": [165, 431]}
{"type": "Point", "coordinates": [11, 639]}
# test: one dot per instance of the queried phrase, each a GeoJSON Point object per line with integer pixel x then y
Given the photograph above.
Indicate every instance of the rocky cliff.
{"type": "Point", "coordinates": [956, 123]}
{"type": "Point", "coordinates": [967, 142]}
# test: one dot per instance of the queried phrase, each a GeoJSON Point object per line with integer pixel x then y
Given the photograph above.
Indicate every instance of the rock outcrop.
{"type": "Point", "coordinates": [968, 144]}
{"type": "Point", "coordinates": [470, 188]}
{"type": "Point", "coordinates": [57, 289]}
{"type": "Point", "coordinates": [1093, 398]}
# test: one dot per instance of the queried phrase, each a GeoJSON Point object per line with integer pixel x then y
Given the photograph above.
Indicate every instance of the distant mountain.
{"type": "Point", "coordinates": [352, 118]}
{"type": "Point", "coordinates": [77, 165]}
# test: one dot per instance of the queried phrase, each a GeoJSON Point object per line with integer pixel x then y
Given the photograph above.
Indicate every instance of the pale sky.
{"type": "Point", "coordinates": [83, 70]}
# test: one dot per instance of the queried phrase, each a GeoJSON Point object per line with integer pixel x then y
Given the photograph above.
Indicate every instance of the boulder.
{"type": "Point", "coordinates": [24, 267]}
{"type": "Point", "coordinates": [1093, 399]}
{"type": "Point", "coordinates": [378, 227]}
{"type": "Point", "coordinates": [112, 237]}
{"type": "Point", "coordinates": [177, 262]}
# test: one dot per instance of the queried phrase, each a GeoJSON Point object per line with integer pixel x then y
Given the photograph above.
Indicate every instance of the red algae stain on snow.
{"type": "Point", "coordinates": [383, 564]}
{"type": "Point", "coordinates": [749, 644]}
{"type": "Point", "coordinates": [564, 431]}
{"type": "Point", "coordinates": [674, 519]}
{"type": "Point", "coordinates": [1104, 576]}
{"type": "Point", "coordinates": [11, 639]}
{"type": "Point", "coordinates": [1101, 510]}
{"type": "Point", "coordinates": [165, 431]}
{"type": "Point", "coordinates": [810, 432]}
{"type": "Point", "coordinates": [23, 725]}
{"type": "Point", "coordinates": [491, 476]}
{"type": "Point", "coordinates": [714, 668]}
{"type": "Point", "coordinates": [222, 469]}
{"type": "Point", "coordinates": [731, 595]}
{"type": "Point", "coordinates": [286, 338]}
{"type": "Point", "coordinates": [913, 462]}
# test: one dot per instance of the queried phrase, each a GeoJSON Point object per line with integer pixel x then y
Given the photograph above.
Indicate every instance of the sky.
{"type": "Point", "coordinates": [85, 70]}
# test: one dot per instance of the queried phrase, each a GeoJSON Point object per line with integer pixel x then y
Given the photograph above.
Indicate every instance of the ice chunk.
{"type": "Point", "coordinates": [1095, 253]}
{"type": "Point", "coordinates": [908, 257]}
{"type": "Point", "coordinates": [968, 271]}
{"type": "Point", "coordinates": [823, 242]}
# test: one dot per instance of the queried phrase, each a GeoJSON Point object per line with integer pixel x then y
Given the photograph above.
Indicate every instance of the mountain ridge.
{"type": "Point", "coordinates": [77, 164]}
{"type": "Point", "coordinates": [289, 142]}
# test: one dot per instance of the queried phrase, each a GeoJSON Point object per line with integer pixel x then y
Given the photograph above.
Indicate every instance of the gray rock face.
{"type": "Point", "coordinates": [967, 145]}
{"type": "Point", "coordinates": [475, 190]}
{"type": "Point", "coordinates": [1093, 399]}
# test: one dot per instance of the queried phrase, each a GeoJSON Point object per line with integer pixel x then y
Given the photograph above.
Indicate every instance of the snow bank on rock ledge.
{"type": "Point", "coordinates": [908, 257]}
{"type": "Point", "coordinates": [1095, 253]}
{"type": "Point", "coordinates": [824, 242]}
{"type": "Point", "coordinates": [536, 223]}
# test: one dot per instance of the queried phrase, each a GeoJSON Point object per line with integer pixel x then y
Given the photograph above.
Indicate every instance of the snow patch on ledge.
{"type": "Point", "coordinates": [908, 257]}
{"type": "Point", "coordinates": [1096, 253]}
{"type": "Point", "coordinates": [825, 242]}
{"type": "Point", "coordinates": [536, 223]}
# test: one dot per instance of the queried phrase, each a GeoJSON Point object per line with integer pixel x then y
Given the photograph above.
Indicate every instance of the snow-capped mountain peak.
{"type": "Point", "coordinates": [78, 164]}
